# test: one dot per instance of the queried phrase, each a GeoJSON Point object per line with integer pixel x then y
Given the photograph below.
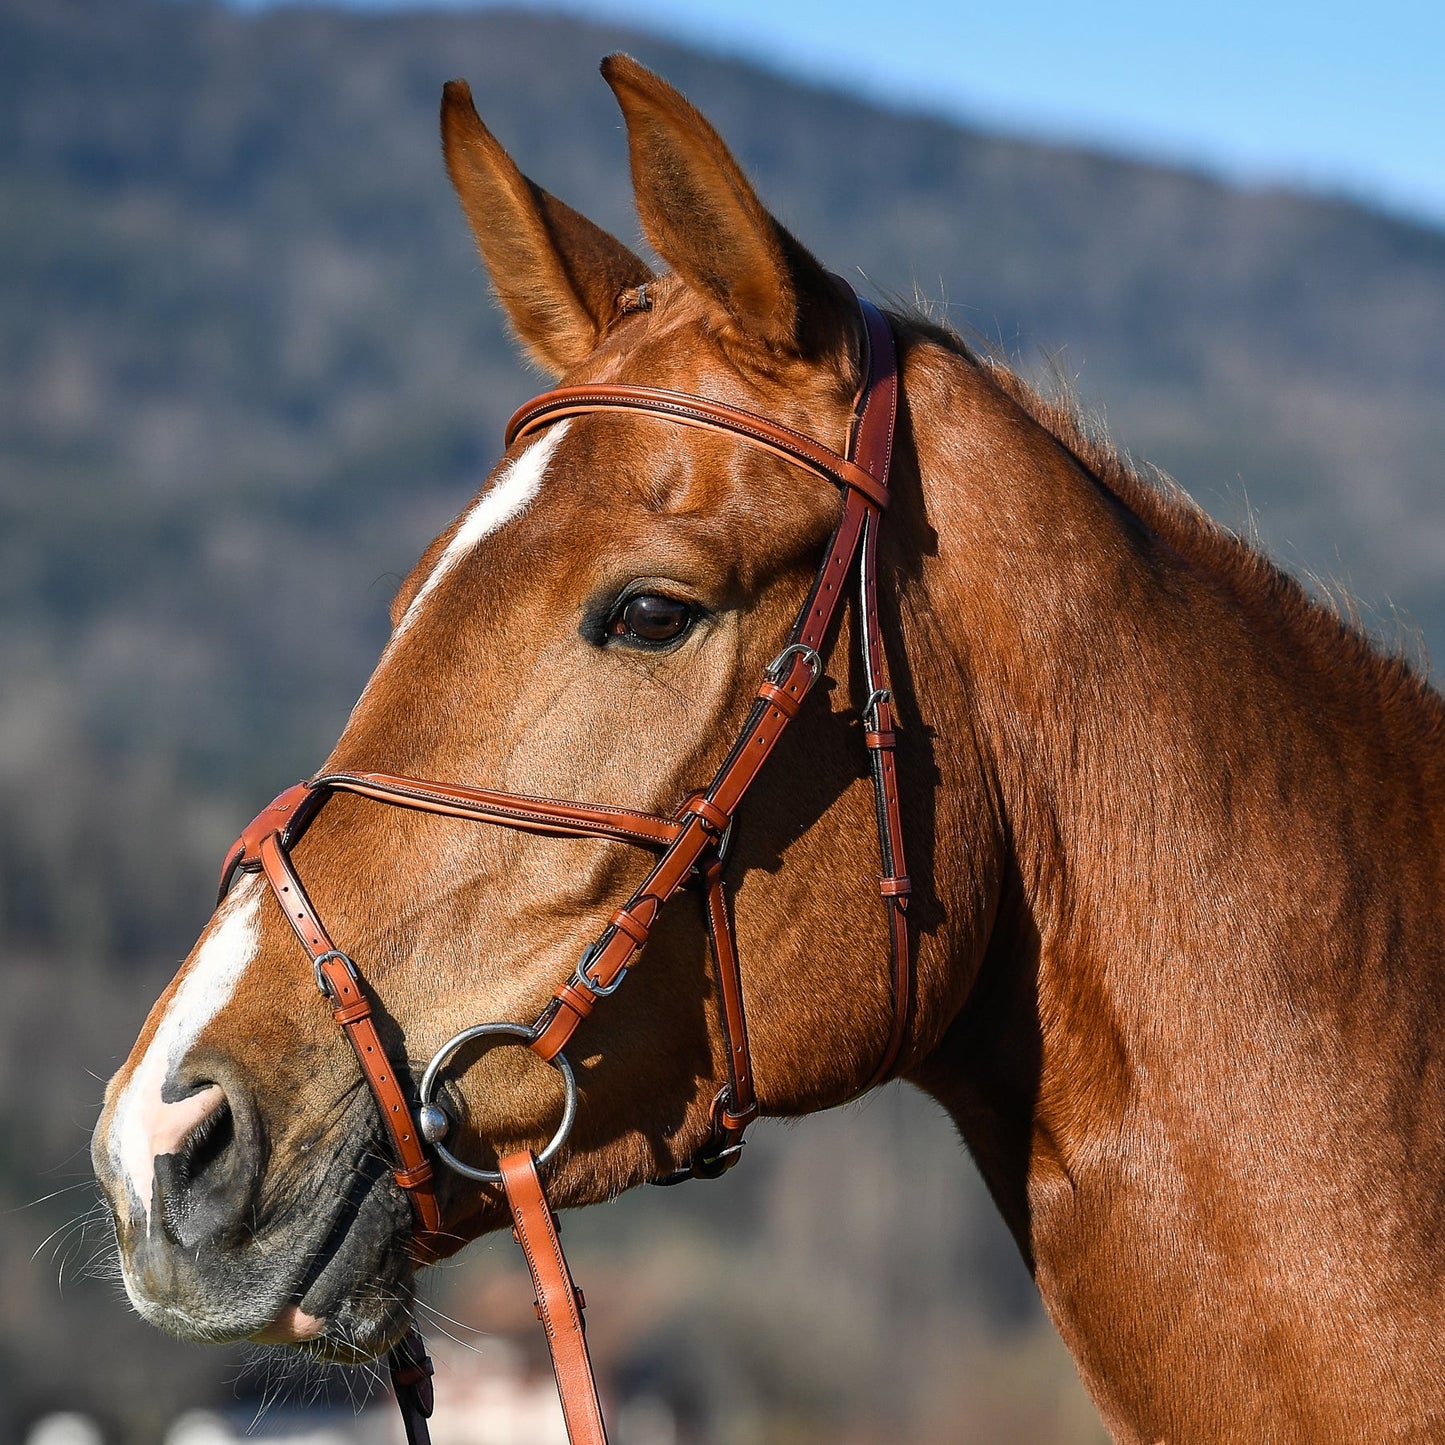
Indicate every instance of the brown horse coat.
{"type": "Point", "coordinates": [1175, 834]}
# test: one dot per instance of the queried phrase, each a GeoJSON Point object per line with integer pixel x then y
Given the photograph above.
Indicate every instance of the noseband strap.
{"type": "Point", "coordinates": [691, 845]}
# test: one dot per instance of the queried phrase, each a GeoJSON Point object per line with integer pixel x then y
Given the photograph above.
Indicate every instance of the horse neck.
{"type": "Point", "coordinates": [1212, 847]}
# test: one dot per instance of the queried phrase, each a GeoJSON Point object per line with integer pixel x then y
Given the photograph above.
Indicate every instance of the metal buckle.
{"type": "Point", "coordinates": [724, 844]}
{"type": "Point", "coordinates": [778, 668]}
{"type": "Point", "coordinates": [585, 980]}
{"type": "Point", "coordinates": [332, 953]}
{"type": "Point", "coordinates": [870, 708]}
{"type": "Point", "coordinates": [524, 1035]}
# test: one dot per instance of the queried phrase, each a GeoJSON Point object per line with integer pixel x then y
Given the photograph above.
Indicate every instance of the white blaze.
{"type": "Point", "coordinates": [143, 1118]}
{"type": "Point", "coordinates": [142, 1114]}
{"type": "Point", "coordinates": [506, 498]}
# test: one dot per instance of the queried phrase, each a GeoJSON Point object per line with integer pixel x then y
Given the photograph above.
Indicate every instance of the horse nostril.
{"type": "Point", "coordinates": [201, 1183]}
{"type": "Point", "coordinates": [172, 1124]}
{"type": "Point", "coordinates": [204, 1145]}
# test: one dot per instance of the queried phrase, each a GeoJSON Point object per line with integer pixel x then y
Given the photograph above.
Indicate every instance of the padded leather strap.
{"type": "Point", "coordinates": [515, 810]}
{"type": "Point", "coordinates": [559, 1301]}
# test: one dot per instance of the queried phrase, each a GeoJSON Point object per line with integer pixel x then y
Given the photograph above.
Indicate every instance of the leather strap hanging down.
{"type": "Point", "coordinates": [691, 844]}
{"type": "Point", "coordinates": [559, 1302]}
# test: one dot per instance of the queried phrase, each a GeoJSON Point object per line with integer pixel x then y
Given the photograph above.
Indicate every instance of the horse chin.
{"type": "Point", "coordinates": [339, 1286]}
{"type": "Point", "coordinates": [361, 1328]}
{"type": "Point", "coordinates": [355, 1299]}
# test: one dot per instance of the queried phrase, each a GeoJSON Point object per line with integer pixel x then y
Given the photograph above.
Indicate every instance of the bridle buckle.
{"type": "Point", "coordinates": [583, 979]}
{"type": "Point", "coordinates": [778, 668]}
{"type": "Point", "coordinates": [333, 955]}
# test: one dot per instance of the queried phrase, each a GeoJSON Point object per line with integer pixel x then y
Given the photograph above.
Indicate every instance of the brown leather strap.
{"type": "Point", "coordinates": [736, 1103]}
{"type": "Point", "coordinates": [873, 447]}
{"type": "Point", "coordinates": [351, 1008]}
{"type": "Point", "coordinates": [559, 1301]}
{"type": "Point", "coordinates": [740, 1106]}
{"type": "Point", "coordinates": [516, 810]}
{"type": "Point", "coordinates": [410, 1368]}
{"type": "Point", "coordinates": [612, 954]}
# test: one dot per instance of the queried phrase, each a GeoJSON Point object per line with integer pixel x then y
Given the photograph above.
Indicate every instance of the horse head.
{"type": "Point", "coordinates": [595, 626]}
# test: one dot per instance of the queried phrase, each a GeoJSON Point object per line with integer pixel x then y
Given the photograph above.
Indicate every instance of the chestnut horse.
{"type": "Point", "coordinates": [1175, 834]}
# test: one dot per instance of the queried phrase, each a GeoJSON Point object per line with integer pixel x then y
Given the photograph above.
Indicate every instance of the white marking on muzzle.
{"type": "Point", "coordinates": [506, 498]}
{"type": "Point", "coordinates": [143, 1119]}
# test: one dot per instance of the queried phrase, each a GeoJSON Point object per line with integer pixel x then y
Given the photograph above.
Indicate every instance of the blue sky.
{"type": "Point", "coordinates": [1335, 96]}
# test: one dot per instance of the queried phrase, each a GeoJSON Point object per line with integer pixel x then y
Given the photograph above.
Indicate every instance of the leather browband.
{"type": "Point", "coordinates": [690, 845]}
{"type": "Point", "coordinates": [781, 441]}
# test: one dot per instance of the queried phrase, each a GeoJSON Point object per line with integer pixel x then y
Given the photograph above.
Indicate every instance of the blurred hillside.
{"type": "Point", "coordinates": [248, 368]}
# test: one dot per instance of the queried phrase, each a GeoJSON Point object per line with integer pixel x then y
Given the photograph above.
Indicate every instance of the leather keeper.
{"type": "Point", "coordinates": [716, 819]}
{"type": "Point", "coordinates": [352, 1012]}
{"type": "Point", "coordinates": [880, 740]}
{"type": "Point", "coordinates": [576, 997]}
{"type": "Point", "coordinates": [780, 698]}
{"type": "Point", "coordinates": [413, 1178]}
{"type": "Point", "coordinates": [634, 928]}
{"type": "Point", "coordinates": [413, 1376]}
{"type": "Point", "coordinates": [895, 887]}
{"type": "Point", "coordinates": [568, 1008]}
{"type": "Point", "coordinates": [737, 1122]}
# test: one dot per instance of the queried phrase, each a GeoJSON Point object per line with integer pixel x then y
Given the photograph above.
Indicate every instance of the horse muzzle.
{"type": "Point", "coordinates": [219, 1241]}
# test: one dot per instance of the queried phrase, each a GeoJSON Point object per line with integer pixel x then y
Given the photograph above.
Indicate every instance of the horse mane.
{"type": "Point", "coordinates": [1327, 627]}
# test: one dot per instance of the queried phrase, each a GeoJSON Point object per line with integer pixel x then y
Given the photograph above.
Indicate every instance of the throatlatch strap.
{"type": "Point", "coordinates": [873, 447]}
{"type": "Point", "coordinates": [559, 1301]}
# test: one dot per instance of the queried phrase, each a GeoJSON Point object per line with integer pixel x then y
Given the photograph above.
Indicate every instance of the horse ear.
{"type": "Point", "coordinates": [558, 277]}
{"type": "Point", "coordinates": [706, 221]}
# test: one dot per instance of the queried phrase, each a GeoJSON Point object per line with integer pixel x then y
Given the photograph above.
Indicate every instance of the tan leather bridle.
{"type": "Point", "coordinates": [691, 844]}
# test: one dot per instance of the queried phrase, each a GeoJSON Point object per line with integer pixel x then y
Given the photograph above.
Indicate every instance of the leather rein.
{"type": "Point", "coordinates": [691, 845]}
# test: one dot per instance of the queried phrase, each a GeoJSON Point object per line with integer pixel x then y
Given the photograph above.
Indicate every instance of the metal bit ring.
{"type": "Point", "coordinates": [521, 1034]}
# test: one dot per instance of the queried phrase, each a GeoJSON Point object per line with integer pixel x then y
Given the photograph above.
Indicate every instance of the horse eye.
{"type": "Point", "coordinates": [650, 618]}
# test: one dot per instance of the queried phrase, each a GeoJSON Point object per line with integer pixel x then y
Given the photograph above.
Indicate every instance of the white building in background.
{"type": "Point", "coordinates": [68, 1427]}
{"type": "Point", "coordinates": [485, 1395]}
